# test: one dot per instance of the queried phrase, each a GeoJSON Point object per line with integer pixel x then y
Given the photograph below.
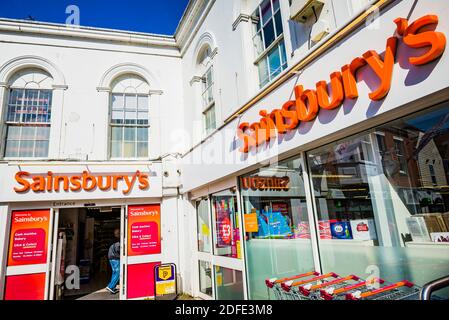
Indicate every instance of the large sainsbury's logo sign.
{"type": "Point", "coordinates": [307, 103]}
{"type": "Point", "coordinates": [86, 181]}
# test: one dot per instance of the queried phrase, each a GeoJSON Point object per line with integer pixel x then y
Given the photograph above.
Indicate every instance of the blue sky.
{"type": "Point", "coordinates": [154, 16]}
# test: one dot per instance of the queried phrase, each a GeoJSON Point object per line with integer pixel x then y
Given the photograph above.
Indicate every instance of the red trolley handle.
{"type": "Point", "coordinates": [368, 294]}
{"type": "Point", "coordinates": [307, 292]}
{"type": "Point", "coordinates": [327, 296]}
{"type": "Point", "coordinates": [270, 283]}
{"type": "Point", "coordinates": [288, 287]}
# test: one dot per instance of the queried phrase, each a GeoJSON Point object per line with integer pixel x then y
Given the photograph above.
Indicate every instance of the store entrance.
{"type": "Point", "coordinates": [82, 266]}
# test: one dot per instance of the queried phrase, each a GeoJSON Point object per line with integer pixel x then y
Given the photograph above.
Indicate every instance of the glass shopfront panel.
{"type": "Point", "coordinates": [276, 224]}
{"type": "Point", "coordinates": [229, 284]}
{"type": "Point", "coordinates": [382, 200]}
{"type": "Point", "coordinates": [226, 225]}
{"type": "Point", "coordinates": [205, 277]}
{"type": "Point", "coordinates": [203, 226]}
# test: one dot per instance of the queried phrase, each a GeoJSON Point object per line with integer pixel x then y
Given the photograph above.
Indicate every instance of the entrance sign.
{"type": "Point", "coordinates": [28, 244]}
{"type": "Point", "coordinates": [307, 103]}
{"type": "Point", "coordinates": [144, 230]}
{"type": "Point", "coordinates": [165, 282]}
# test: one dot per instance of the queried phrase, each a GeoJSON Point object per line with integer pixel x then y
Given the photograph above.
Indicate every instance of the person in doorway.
{"type": "Point", "coordinates": [114, 260]}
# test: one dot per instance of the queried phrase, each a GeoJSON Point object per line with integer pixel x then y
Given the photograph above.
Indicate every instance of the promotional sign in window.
{"type": "Point", "coordinates": [29, 237]}
{"type": "Point", "coordinates": [144, 230]}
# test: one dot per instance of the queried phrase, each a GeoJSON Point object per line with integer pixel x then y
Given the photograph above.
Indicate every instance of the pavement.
{"type": "Point", "coordinates": [101, 295]}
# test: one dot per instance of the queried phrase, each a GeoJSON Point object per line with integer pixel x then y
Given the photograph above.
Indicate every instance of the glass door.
{"type": "Point", "coordinates": [219, 253]}
{"type": "Point", "coordinates": [227, 248]}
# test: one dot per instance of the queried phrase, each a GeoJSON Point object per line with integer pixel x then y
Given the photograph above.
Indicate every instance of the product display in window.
{"type": "Point", "coordinates": [384, 193]}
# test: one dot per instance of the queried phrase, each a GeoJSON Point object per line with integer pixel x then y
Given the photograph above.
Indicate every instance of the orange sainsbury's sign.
{"type": "Point", "coordinates": [343, 83]}
{"type": "Point", "coordinates": [86, 181]}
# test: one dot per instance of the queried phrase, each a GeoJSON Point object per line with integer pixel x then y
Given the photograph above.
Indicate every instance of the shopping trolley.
{"type": "Point", "coordinates": [403, 290]}
{"type": "Point", "coordinates": [332, 293]}
{"type": "Point", "coordinates": [274, 284]}
{"type": "Point", "coordinates": [313, 291]}
{"type": "Point", "coordinates": [290, 288]}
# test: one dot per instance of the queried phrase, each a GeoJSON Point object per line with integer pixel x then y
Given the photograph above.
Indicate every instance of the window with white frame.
{"type": "Point", "coordinates": [129, 120]}
{"type": "Point", "coordinates": [28, 115]}
{"type": "Point", "coordinates": [208, 101]}
{"type": "Point", "coordinates": [268, 41]}
{"type": "Point", "coordinates": [205, 68]}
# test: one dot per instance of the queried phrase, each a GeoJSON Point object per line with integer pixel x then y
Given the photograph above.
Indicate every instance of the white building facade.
{"type": "Point", "coordinates": [265, 139]}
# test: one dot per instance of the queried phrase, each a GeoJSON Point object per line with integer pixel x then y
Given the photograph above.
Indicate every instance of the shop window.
{"type": "Point", "coordinates": [390, 215]}
{"type": "Point", "coordinates": [205, 277]}
{"type": "Point", "coordinates": [227, 240]}
{"type": "Point", "coordinates": [203, 227]}
{"type": "Point", "coordinates": [276, 223]}
{"type": "Point", "coordinates": [28, 115]}
{"type": "Point", "coordinates": [228, 284]}
{"type": "Point", "coordinates": [129, 121]}
{"type": "Point", "coordinates": [268, 41]}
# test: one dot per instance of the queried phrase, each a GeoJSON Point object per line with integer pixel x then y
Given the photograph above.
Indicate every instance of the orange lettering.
{"type": "Point", "coordinates": [38, 184]}
{"type": "Point", "coordinates": [435, 40]}
{"type": "Point", "coordinates": [115, 180]}
{"type": "Point", "coordinates": [337, 92]}
{"type": "Point", "coordinates": [129, 183]}
{"type": "Point", "coordinates": [306, 112]}
{"type": "Point", "coordinates": [75, 181]}
{"type": "Point", "coordinates": [267, 126]}
{"type": "Point", "coordinates": [103, 187]}
{"type": "Point", "coordinates": [349, 75]}
{"type": "Point", "coordinates": [89, 178]}
{"type": "Point", "coordinates": [279, 120]}
{"type": "Point", "coordinates": [290, 115]}
{"type": "Point", "coordinates": [247, 140]}
{"type": "Point", "coordinates": [143, 181]}
{"type": "Point", "coordinates": [25, 184]}
{"type": "Point", "coordinates": [383, 69]}
{"type": "Point", "coordinates": [57, 181]}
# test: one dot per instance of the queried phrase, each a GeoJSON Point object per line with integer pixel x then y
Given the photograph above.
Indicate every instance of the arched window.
{"type": "Point", "coordinates": [205, 68]}
{"type": "Point", "coordinates": [28, 114]}
{"type": "Point", "coordinates": [129, 118]}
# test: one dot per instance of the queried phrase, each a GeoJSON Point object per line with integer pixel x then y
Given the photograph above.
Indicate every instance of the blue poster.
{"type": "Point", "coordinates": [272, 225]}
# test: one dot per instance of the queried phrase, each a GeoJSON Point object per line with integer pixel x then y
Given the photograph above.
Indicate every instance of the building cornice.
{"type": "Point", "coordinates": [93, 34]}
{"type": "Point", "coordinates": [194, 16]}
